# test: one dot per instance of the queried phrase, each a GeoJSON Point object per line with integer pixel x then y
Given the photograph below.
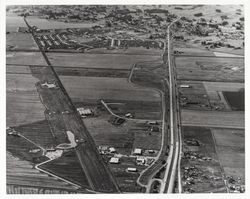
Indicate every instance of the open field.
{"type": "Point", "coordinates": [231, 151]}
{"type": "Point", "coordinates": [13, 22]}
{"type": "Point", "coordinates": [111, 61]}
{"type": "Point", "coordinates": [139, 109]}
{"type": "Point", "coordinates": [223, 86]}
{"type": "Point", "coordinates": [233, 119]}
{"type": "Point", "coordinates": [194, 97]}
{"type": "Point", "coordinates": [196, 170]}
{"type": "Point", "coordinates": [21, 41]}
{"type": "Point", "coordinates": [21, 173]}
{"type": "Point", "coordinates": [210, 69]}
{"type": "Point", "coordinates": [104, 133]}
{"type": "Point", "coordinates": [127, 180]}
{"type": "Point", "coordinates": [25, 58]}
{"type": "Point", "coordinates": [67, 167]}
{"type": "Point", "coordinates": [235, 99]}
{"type": "Point", "coordinates": [209, 11]}
{"type": "Point", "coordinates": [96, 88]}
{"type": "Point", "coordinates": [192, 50]}
{"type": "Point", "coordinates": [130, 51]}
{"type": "Point", "coordinates": [72, 71]}
{"type": "Point", "coordinates": [23, 103]}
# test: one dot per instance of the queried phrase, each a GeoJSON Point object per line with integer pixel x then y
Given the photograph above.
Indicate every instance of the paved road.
{"type": "Point", "coordinates": [173, 162]}
{"type": "Point", "coordinates": [57, 101]}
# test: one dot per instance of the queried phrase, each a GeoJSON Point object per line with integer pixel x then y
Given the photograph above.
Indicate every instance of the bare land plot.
{"type": "Point", "coordinates": [113, 61]}
{"type": "Point", "coordinates": [25, 58]}
{"type": "Point", "coordinates": [210, 69]}
{"type": "Point", "coordinates": [231, 151]}
{"type": "Point", "coordinates": [21, 41]}
{"type": "Point", "coordinates": [96, 88]}
{"type": "Point", "coordinates": [230, 119]}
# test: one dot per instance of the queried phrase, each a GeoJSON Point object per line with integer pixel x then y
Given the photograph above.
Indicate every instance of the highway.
{"type": "Point", "coordinates": [64, 114]}
{"type": "Point", "coordinates": [173, 161]}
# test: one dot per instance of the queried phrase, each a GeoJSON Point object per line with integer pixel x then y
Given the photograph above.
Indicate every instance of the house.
{"type": "Point", "coordinates": [112, 150]}
{"type": "Point", "coordinates": [140, 160]}
{"type": "Point", "coordinates": [131, 169]}
{"type": "Point", "coordinates": [138, 151]}
{"type": "Point", "coordinates": [114, 160]}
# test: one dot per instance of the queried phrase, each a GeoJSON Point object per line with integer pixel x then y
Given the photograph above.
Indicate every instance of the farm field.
{"type": "Point", "coordinates": [210, 69]}
{"type": "Point", "coordinates": [236, 99]}
{"type": "Point", "coordinates": [22, 177]}
{"type": "Point", "coordinates": [22, 101]}
{"type": "Point", "coordinates": [21, 41]}
{"type": "Point", "coordinates": [89, 60]}
{"type": "Point", "coordinates": [96, 88]}
{"type": "Point", "coordinates": [25, 58]}
{"type": "Point", "coordinates": [230, 146]}
{"type": "Point", "coordinates": [223, 119]}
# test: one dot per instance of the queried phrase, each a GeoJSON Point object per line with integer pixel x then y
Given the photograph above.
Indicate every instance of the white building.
{"type": "Point", "coordinates": [114, 160]}
{"type": "Point", "coordinates": [131, 169]}
{"type": "Point", "coordinates": [138, 151]}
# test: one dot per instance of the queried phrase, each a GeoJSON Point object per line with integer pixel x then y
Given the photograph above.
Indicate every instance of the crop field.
{"type": "Point", "coordinates": [89, 60]}
{"type": "Point", "coordinates": [80, 88]}
{"type": "Point", "coordinates": [25, 58]}
{"type": "Point", "coordinates": [191, 50]}
{"type": "Point", "coordinates": [13, 22]}
{"type": "Point", "coordinates": [224, 119]}
{"type": "Point", "coordinates": [29, 180]}
{"type": "Point", "coordinates": [17, 69]}
{"type": "Point", "coordinates": [21, 41]}
{"type": "Point", "coordinates": [210, 69]}
{"type": "Point", "coordinates": [130, 51]}
{"type": "Point", "coordinates": [22, 101]}
{"type": "Point", "coordinates": [204, 171]}
{"type": "Point", "coordinates": [230, 144]}
{"type": "Point", "coordinates": [39, 132]}
{"type": "Point", "coordinates": [236, 100]}
{"type": "Point", "coordinates": [67, 167]}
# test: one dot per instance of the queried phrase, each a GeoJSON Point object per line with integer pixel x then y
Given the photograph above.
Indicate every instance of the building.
{"type": "Point", "coordinates": [84, 112]}
{"type": "Point", "coordinates": [112, 150]}
{"type": "Point", "coordinates": [184, 86]}
{"type": "Point", "coordinates": [140, 160]}
{"type": "Point", "coordinates": [138, 151]}
{"type": "Point", "coordinates": [22, 29]}
{"type": "Point", "coordinates": [131, 169]}
{"type": "Point", "coordinates": [114, 160]}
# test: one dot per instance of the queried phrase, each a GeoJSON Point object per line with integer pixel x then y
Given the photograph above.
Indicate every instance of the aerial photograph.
{"type": "Point", "coordinates": [125, 99]}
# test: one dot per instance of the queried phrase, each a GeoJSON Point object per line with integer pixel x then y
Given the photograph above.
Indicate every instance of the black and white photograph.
{"type": "Point", "coordinates": [124, 99]}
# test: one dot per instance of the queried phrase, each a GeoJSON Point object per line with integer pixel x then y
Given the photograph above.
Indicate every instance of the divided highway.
{"type": "Point", "coordinates": [173, 162]}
